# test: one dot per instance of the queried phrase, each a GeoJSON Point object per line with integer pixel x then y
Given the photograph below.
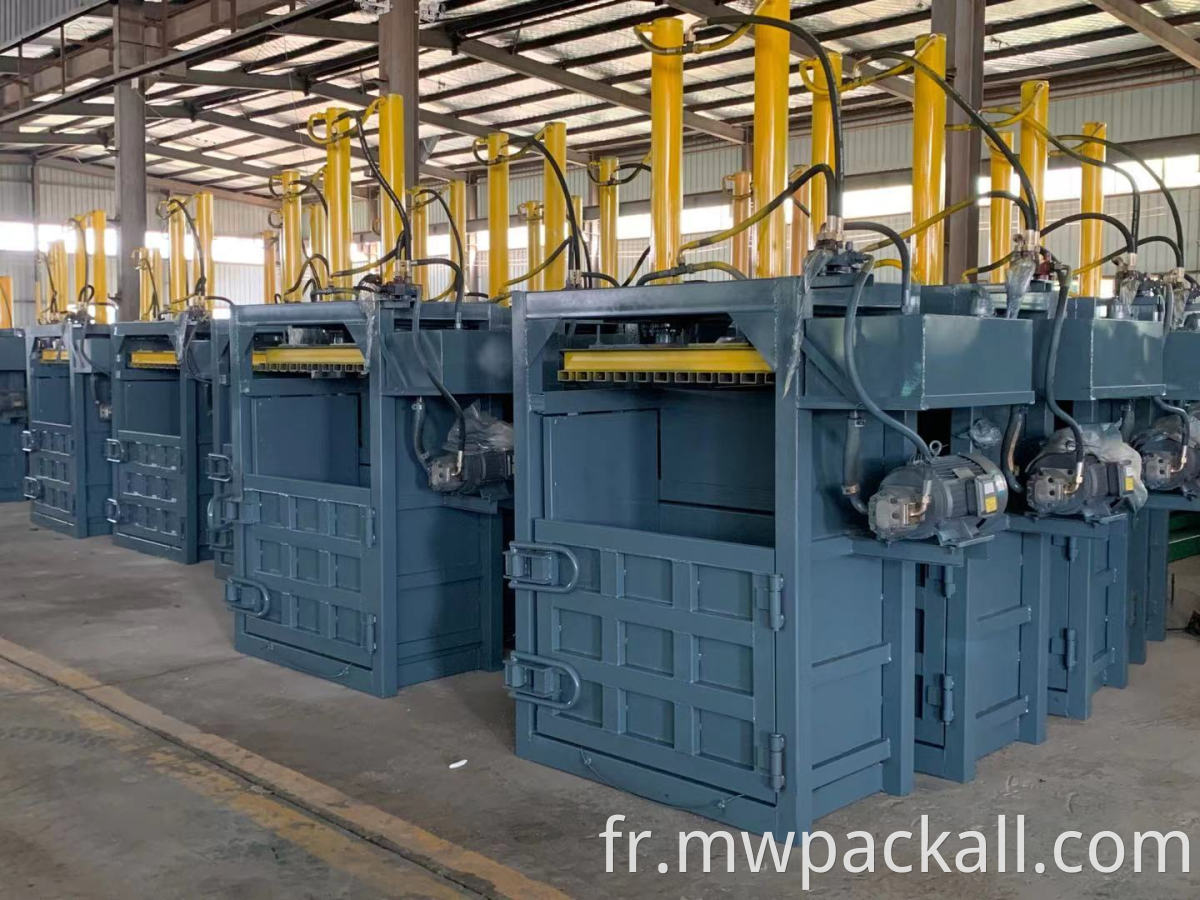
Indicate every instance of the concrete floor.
{"type": "Point", "coordinates": [159, 631]}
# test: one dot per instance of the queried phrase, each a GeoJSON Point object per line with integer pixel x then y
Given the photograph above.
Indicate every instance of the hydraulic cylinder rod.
{"type": "Point", "coordinates": [291, 255]}
{"type": "Point", "coordinates": [1091, 200]}
{"type": "Point", "coordinates": [532, 211]}
{"type": "Point", "coordinates": [1000, 227]}
{"type": "Point", "coordinates": [6, 301]}
{"type": "Point", "coordinates": [203, 212]}
{"type": "Point", "coordinates": [418, 216]}
{"type": "Point", "coordinates": [497, 149]}
{"type": "Point", "coordinates": [458, 217]}
{"type": "Point", "coordinates": [99, 224]}
{"type": "Point", "coordinates": [270, 262]}
{"type": "Point", "coordinates": [666, 145]}
{"type": "Point", "coordinates": [554, 203]}
{"type": "Point", "coordinates": [177, 289]}
{"type": "Point", "coordinates": [608, 196]}
{"type": "Point", "coordinates": [771, 67]}
{"type": "Point", "coordinates": [391, 166]}
{"type": "Point", "coordinates": [1035, 97]}
{"type": "Point", "coordinates": [740, 206]}
{"type": "Point", "coordinates": [822, 138]}
{"type": "Point", "coordinates": [929, 158]}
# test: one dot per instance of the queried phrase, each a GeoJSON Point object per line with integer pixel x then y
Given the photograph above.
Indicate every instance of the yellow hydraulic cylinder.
{"type": "Point", "coordinates": [929, 158]}
{"type": "Point", "coordinates": [149, 265]}
{"type": "Point", "coordinates": [497, 149]}
{"type": "Point", "coordinates": [202, 205]}
{"type": "Point", "coordinates": [177, 289]}
{"type": "Point", "coordinates": [79, 262]}
{"type": "Point", "coordinates": [99, 223]}
{"type": "Point", "coordinates": [801, 229]}
{"type": "Point", "coordinates": [1000, 228]}
{"type": "Point", "coordinates": [318, 240]}
{"type": "Point", "coordinates": [458, 216]}
{"type": "Point", "coordinates": [771, 67]}
{"type": "Point", "coordinates": [60, 288]}
{"type": "Point", "coordinates": [1035, 97]}
{"type": "Point", "coordinates": [609, 198]}
{"type": "Point", "coordinates": [336, 141]}
{"type": "Point", "coordinates": [666, 145]}
{"type": "Point", "coordinates": [291, 253]}
{"type": "Point", "coordinates": [270, 261]}
{"type": "Point", "coordinates": [740, 208]}
{"type": "Point", "coordinates": [532, 211]}
{"type": "Point", "coordinates": [391, 166]}
{"type": "Point", "coordinates": [1091, 200]}
{"type": "Point", "coordinates": [418, 216]}
{"type": "Point", "coordinates": [822, 138]}
{"type": "Point", "coordinates": [554, 204]}
{"type": "Point", "coordinates": [6, 301]}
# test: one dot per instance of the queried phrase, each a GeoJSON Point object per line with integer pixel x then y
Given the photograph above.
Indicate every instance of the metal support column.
{"type": "Point", "coordinates": [554, 204]}
{"type": "Point", "coordinates": [962, 23]}
{"type": "Point", "coordinates": [399, 51]}
{"type": "Point", "coordinates": [1091, 200]}
{"type": "Point", "coordinates": [929, 159]}
{"type": "Point", "coordinates": [771, 67]}
{"type": "Point", "coordinates": [129, 109]}
{"type": "Point", "coordinates": [497, 151]}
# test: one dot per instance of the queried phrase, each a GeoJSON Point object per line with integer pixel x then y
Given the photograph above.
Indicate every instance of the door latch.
{"type": "Point", "coordinates": [541, 567]}
{"type": "Point", "coordinates": [539, 680]}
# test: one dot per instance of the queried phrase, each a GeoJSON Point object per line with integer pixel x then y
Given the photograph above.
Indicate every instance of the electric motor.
{"type": "Point", "coordinates": [1165, 465]}
{"type": "Point", "coordinates": [1111, 478]}
{"type": "Point", "coordinates": [951, 499]}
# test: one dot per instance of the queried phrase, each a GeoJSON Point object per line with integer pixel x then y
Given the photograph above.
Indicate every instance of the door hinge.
{"type": "Point", "coordinates": [539, 680]}
{"type": "Point", "coordinates": [1072, 549]}
{"type": "Point", "coordinates": [1131, 618]}
{"type": "Point", "coordinates": [1067, 647]}
{"type": "Point", "coordinates": [370, 637]}
{"type": "Point", "coordinates": [776, 744]}
{"type": "Point", "coordinates": [771, 600]}
{"type": "Point", "coordinates": [949, 586]}
{"type": "Point", "coordinates": [369, 527]}
{"type": "Point", "coordinates": [940, 695]}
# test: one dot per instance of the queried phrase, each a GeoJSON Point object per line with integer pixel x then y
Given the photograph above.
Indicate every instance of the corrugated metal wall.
{"type": "Point", "coordinates": [20, 18]}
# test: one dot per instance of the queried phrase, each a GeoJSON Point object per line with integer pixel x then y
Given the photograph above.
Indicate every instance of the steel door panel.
{"type": "Point", "coordinates": [931, 653]}
{"type": "Point", "coordinates": [675, 650]}
{"type": "Point", "coordinates": [1060, 611]}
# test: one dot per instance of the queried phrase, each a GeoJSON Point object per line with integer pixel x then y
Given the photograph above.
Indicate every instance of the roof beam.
{"type": "Point", "coordinates": [160, 182]}
{"type": "Point", "coordinates": [592, 87]}
{"type": "Point", "coordinates": [57, 139]}
{"type": "Point", "coordinates": [212, 162]}
{"type": "Point", "coordinates": [1154, 27]}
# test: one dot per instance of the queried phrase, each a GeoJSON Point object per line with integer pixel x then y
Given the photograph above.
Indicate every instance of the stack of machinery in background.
{"type": "Point", "coordinates": [13, 405]}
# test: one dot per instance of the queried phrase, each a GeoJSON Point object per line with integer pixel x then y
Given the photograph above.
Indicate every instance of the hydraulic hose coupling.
{"type": "Point", "coordinates": [833, 232]}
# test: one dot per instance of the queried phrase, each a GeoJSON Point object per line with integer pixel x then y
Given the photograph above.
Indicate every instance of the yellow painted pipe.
{"type": "Point", "coordinates": [177, 289]}
{"type": "Point", "coordinates": [391, 166]}
{"type": "Point", "coordinates": [418, 216]}
{"type": "Point", "coordinates": [7, 304]}
{"type": "Point", "coordinates": [497, 149]}
{"type": "Point", "coordinates": [270, 262]}
{"type": "Point", "coordinates": [1000, 228]}
{"type": "Point", "coordinates": [99, 224]}
{"type": "Point", "coordinates": [801, 229]}
{"type": "Point", "coordinates": [1035, 96]}
{"type": "Point", "coordinates": [202, 211]}
{"type": "Point", "coordinates": [291, 248]}
{"type": "Point", "coordinates": [929, 158]}
{"type": "Point", "coordinates": [532, 211]}
{"type": "Point", "coordinates": [458, 215]}
{"type": "Point", "coordinates": [1091, 200]}
{"type": "Point", "coordinates": [608, 196]}
{"type": "Point", "coordinates": [822, 138]}
{"type": "Point", "coordinates": [336, 140]}
{"type": "Point", "coordinates": [666, 145]}
{"type": "Point", "coordinates": [554, 204]}
{"type": "Point", "coordinates": [771, 68]}
{"type": "Point", "coordinates": [740, 207]}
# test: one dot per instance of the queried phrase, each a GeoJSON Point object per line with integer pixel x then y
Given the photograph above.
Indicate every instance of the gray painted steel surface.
{"type": "Point", "coordinates": [701, 617]}
{"type": "Point", "coordinates": [346, 565]}
{"type": "Point", "coordinates": [14, 410]}
{"type": "Point", "coordinates": [218, 466]}
{"type": "Point", "coordinates": [161, 438]}
{"type": "Point", "coordinates": [70, 405]}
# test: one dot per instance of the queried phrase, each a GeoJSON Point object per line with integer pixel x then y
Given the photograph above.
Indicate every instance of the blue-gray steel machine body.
{"type": "Point", "coordinates": [219, 465]}
{"type": "Point", "coordinates": [70, 409]}
{"type": "Point", "coordinates": [14, 411]}
{"type": "Point", "coordinates": [1104, 365]}
{"type": "Point", "coordinates": [161, 438]}
{"type": "Point", "coordinates": [702, 617]}
{"type": "Point", "coordinates": [347, 565]}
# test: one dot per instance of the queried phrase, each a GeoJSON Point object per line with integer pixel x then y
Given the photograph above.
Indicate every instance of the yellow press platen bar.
{"type": "Point", "coordinates": [6, 301]}
{"type": "Point", "coordinates": [554, 204]}
{"type": "Point", "coordinates": [771, 68]}
{"type": "Point", "coordinates": [822, 138]}
{"type": "Point", "coordinates": [1000, 227]}
{"type": "Point", "coordinates": [699, 359]}
{"type": "Point", "coordinates": [929, 158]}
{"type": "Point", "coordinates": [666, 145]}
{"type": "Point", "coordinates": [497, 151]}
{"type": "Point", "coordinates": [1035, 96]}
{"type": "Point", "coordinates": [153, 359]}
{"type": "Point", "coordinates": [54, 355]}
{"type": "Point", "coordinates": [1091, 236]}
{"type": "Point", "coordinates": [305, 359]}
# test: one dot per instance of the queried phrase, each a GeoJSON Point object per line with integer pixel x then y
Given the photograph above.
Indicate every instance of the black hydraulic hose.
{"type": "Point", "coordinates": [418, 433]}
{"type": "Point", "coordinates": [1125, 151]}
{"type": "Point", "coordinates": [1032, 223]}
{"type": "Point", "coordinates": [603, 277]}
{"type": "Point", "coordinates": [579, 251]}
{"type": "Point", "coordinates": [405, 239]}
{"type": "Point", "coordinates": [419, 349]}
{"type": "Point", "coordinates": [852, 462]}
{"type": "Point", "coordinates": [455, 234]}
{"type": "Point", "coordinates": [1060, 316]}
{"type": "Point", "coordinates": [901, 246]}
{"type": "Point", "coordinates": [833, 85]}
{"type": "Point", "coordinates": [459, 283]}
{"type": "Point", "coordinates": [619, 180]}
{"type": "Point", "coordinates": [1170, 242]}
{"type": "Point", "coordinates": [1185, 436]}
{"type": "Point", "coordinates": [641, 260]}
{"type": "Point", "coordinates": [1135, 212]}
{"type": "Point", "coordinates": [1130, 238]}
{"type": "Point", "coordinates": [1008, 457]}
{"type": "Point", "coordinates": [691, 269]}
{"type": "Point", "coordinates": [849, 332]}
